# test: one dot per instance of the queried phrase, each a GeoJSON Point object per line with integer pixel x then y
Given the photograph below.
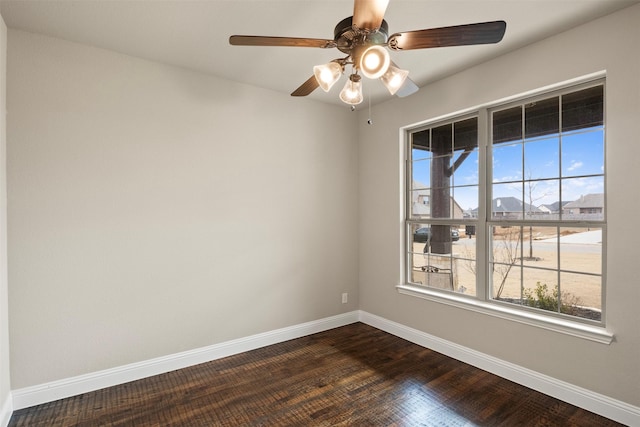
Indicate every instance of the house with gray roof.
{"type": "Point", "coordinates": [553, 208]}
{"type": "Point", "coordinates": [588, 204]}
{"type": "Point", "coordinates": [508, 207]}
{"type": "Point", "coordinates": [512, 207]}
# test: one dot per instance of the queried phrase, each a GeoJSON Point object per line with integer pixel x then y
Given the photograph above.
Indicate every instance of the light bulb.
{"type": "Point", "coordinates": [394, 78]}
{"type": "Point", "coordinates": [352, 92]}
{"type": "Point", "coordinates": [371, 62]}
{"type": "Point", "coordinates": [327, 75]}
{"type": "Point", "coordinates": [374, 61]}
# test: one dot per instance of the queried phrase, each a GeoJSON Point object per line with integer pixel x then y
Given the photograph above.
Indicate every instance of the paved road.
{"type": "Point", "coordinates": [587, 243]}
{"type": "Point", "coordinates": [586, 238]}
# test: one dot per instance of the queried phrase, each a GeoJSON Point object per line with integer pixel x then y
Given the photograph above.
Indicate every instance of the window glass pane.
{"type": "Point", "coordinates": [442, 140]}
{"type": "Point", "coordinates": [440, 170]}
{"type": "Point", "coordinates": [464, 251]}
{"type": "Point", "coordinates": [438, 262]}
{"type": "Point", "coordinates": [507, 201]}
{"type": "Point", "coordinates": [505, 259]}
{"type": "Point", "coordinates": [539, 194]}
{"type": "Point", "coordinates": [540, 290]}
{"type": "Point", "coordinates": [421, 174]}
{"type": "Point", "coordinates": [464, 181]}
{"type": "Point", "coordinates": [440, 191]}
{"type": "Point", "coordinates": [420, 145]}
{"type": "Point", "coordinates": [507, 125]}
{"type": "Point", "coordinates": [583, 109]}
{"type": "Point", "coordinates": [433, 238]}
{"type": "Point", "coordinates": [442, 237]}
{"type": "Point", "coordinates": [539, 247]}
{"type": "Point", "coordinates": [581, 249]}
{"type": "Point", "coordinates": [583, 153]}
{"type": "Point", "coordinates": [581, 295]}
{"type": "Point", "coordinates": [419, 237]}
{"type": "Point", "coordinates": [419, 258]}
{"type": "Point", "coordinates": [505, 284]}
{"type": "Point", "coordinates": [506, 244]}
{"type": "Point", "coordinates": [507, 162]}
{"type": "Point", "coordinates": [542, 199]}
{"type": "Point", "coordinates": [455, 209]}
{"type": "Point", "coordinates": [465, 200]}
{"type": "Point", "coordinates": [466, 168]}
{"type": "Point", "coordinates": [541, 159]}
{"type": "Point", "coordinates": [419, 154]}
{"type": "Point", "coordinates": [465, 134]}
{"type": "Point", "coordinates": [542, 118]}
{"type": "Point", "coordinates": [420, 204]}
{"type": "Point", "coordinates": [441, 203]}
{"type": "Point", "coordinates": [584, 199]}
{"type": "Point", "coordinates": [440, 271]}
{"type": "Point", "coordinates": [451, 163]}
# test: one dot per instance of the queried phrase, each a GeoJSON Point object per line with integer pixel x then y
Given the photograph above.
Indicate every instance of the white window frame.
{"type": "Point", "coordinates": [482, 303]}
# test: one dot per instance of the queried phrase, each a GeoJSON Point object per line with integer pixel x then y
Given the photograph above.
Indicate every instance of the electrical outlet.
{"type": "Point", "coordinates": [345, 298]}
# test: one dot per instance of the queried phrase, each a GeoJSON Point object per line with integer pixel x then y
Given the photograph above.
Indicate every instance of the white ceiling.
{"type": "Point", "coordinates": [194, 34]}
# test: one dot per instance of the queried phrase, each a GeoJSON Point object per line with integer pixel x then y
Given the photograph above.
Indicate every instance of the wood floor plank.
{"type": "Point", "coordinates": [355, 375]}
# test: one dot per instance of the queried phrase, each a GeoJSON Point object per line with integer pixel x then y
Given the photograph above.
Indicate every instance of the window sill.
{"type": "Point", "coordinates": [575, 329]}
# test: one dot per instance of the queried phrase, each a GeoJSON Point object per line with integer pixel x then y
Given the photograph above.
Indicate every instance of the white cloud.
{"type": "Point", "coordinates": [575, 164]}
{"type": "Point", "coordinates": [572, 189]}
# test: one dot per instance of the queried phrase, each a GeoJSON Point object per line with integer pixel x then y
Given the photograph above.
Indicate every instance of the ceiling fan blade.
{"type": "Point", "coordinates": [458, 35]}
{"type": "Point", "coordinates": [368, 14]}
{"type": "Point", "coordinates": [280, 41]}
{"type": "Point", "coordinates": [307, 87]}
{"type": "Point", "coordinates": [408, 88]}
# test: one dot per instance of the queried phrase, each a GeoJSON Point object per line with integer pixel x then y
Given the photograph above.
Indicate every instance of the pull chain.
{"type": "Point", "coordinates": [370, 121]}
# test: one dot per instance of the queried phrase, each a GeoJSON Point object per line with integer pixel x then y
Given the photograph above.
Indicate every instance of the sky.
{"type": "Point", "coordinates": [553, 167]}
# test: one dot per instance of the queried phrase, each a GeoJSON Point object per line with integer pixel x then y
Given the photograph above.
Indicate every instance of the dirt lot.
{"type": "Point", "coordinates": [541, 267]}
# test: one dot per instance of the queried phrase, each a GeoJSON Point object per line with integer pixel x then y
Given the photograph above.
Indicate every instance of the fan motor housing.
{"type": "Point", "coordinates": [347, 36]}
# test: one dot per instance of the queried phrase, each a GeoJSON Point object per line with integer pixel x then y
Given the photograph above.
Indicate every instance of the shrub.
{"type": "Point", "coordinates": [542, 298]}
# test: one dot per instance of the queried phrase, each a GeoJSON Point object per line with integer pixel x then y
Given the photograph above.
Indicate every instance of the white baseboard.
{"type": "Point", "coordinates": [36, 395]}
{"type": "Point", "coordinates": [6, 411]}
{"type": "Point", "coordinates": [607, 407]}
{"type": "Point", "coordinates": [583, 398]}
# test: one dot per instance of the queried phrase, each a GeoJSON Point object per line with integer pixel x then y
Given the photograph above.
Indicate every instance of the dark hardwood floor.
{"type": "Point", "coordinates": [355, 375]}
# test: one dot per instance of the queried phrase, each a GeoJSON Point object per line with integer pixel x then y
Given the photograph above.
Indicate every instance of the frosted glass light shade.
{"type": "Point", "coordinates": [394, 78]}
{"type": "Point", "coordinates": [352, 92]}
{"type": "Point", "coordinates": [327, 75]}
{"type": "Point", "coordinates": [374, 61]}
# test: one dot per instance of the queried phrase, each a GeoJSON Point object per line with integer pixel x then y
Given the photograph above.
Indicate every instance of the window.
{"type": "Point", "coordinates": [539, 209]}
{"type": "Point", "coordinates": [444, 171]}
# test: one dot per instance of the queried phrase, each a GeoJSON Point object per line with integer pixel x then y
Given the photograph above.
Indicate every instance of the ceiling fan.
{"type": "Point", "coordinates": [364, 38]}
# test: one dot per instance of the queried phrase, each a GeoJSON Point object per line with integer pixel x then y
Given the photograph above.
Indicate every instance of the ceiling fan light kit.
{"type": "Point", "coordinates": [374, 61]}
{"type": "Point", "coordinates": [394, 79]}
{"type": "Point", "coordinates": [352, 92]}
{"type": "Point", "coordinates": [328, 74]}
{"type": "Point", "coordinates": [364, 38]}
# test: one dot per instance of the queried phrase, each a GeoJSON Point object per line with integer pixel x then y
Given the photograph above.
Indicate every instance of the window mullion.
{"type": "Point", "coordinates": [484, 202]}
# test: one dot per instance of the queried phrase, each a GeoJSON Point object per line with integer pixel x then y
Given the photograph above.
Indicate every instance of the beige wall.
{"type": "Point", "coordinates": [610, 44]}
{"type": "Point", "coordinates": [154, 210]}
{"type": "Point", "coordinates": [5, 383]}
